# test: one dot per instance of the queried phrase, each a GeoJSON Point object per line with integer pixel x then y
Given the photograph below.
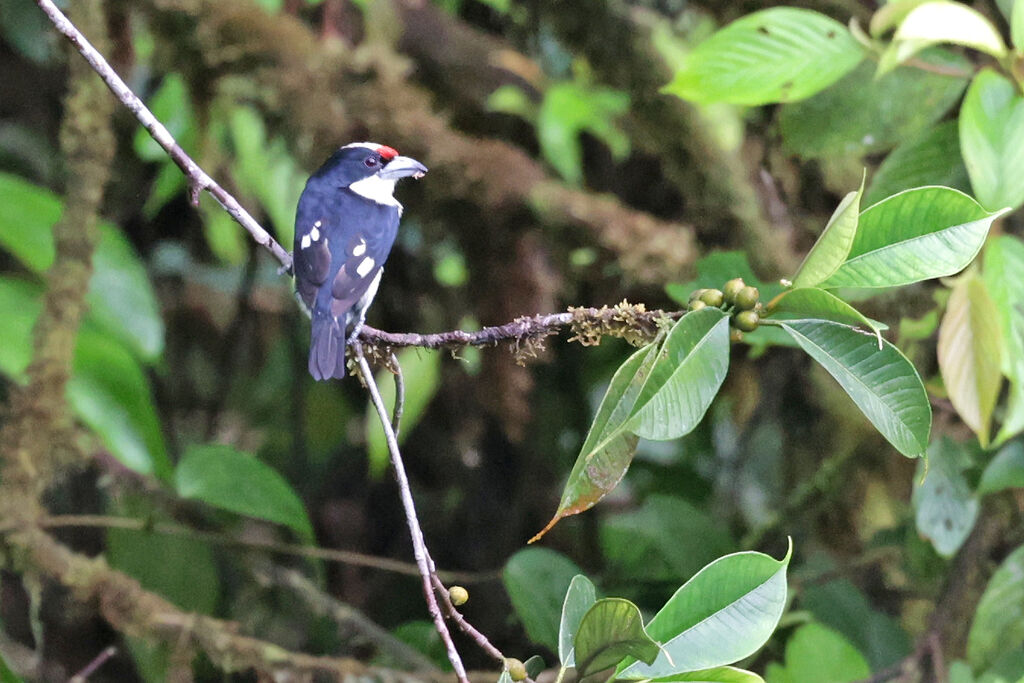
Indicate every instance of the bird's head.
{"type": "Point", "coordinates": [369, 169]}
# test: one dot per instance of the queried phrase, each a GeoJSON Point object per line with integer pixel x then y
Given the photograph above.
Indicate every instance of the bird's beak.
{"type": "Point", "coordinates": [402, 167]}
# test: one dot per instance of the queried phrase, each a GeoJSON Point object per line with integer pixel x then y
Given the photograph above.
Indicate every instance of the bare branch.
{"type": "Point", "coordinates": [423, 560]}
{"type": "Point", "coordinates": [197, 177]}
{"type": "Point", "coordinates": [465, 626]}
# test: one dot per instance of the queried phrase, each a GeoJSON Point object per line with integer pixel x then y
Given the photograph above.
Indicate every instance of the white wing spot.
{"type": "Point", "coordinates": [360, 248]}
{"type": "Point", "coordinates": [305, 242]}
{"type": "Point", "coordinates": [318, 224]}
{"type": "Point", "coordinates": [314, 234]}
{"type": "Point", "coordinates": [364, 267]}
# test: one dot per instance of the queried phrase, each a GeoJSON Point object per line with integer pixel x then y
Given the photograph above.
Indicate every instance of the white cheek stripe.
{"type": "Point", "coordinates": [364, 267]}
{"type": "Point", "coordinates": [376, 189]}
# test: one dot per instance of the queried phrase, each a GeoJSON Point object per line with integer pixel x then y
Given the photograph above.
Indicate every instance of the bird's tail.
{"type": "Point", "coordinates": [327, 348]}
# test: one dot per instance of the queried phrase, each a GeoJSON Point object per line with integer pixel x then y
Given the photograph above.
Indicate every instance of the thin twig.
{"type": "Point", "coordinates": [197, 178]}
{"type": "Point", "coordinates": [396, 418]}
{"type": "Point", "coordinates": [423, 561]}
{"type": "Point", "coordinates": [453, 613]}
{"type": "Point", "coordinates": [326, 554]}
{"type": "Point", "coordinates": [90, 668]}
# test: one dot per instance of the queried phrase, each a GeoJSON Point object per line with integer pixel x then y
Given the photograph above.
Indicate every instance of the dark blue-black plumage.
{"type": "Point", "coordinates": [345, 226]}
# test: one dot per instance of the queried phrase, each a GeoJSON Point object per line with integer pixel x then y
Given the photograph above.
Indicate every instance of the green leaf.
{"type": "Point", "coordinates": [781, 54]}
{"type": "Point", "coordinates": [944, 507]}
{"type": "Point", "coordinates": [891, 14]}
{"type": "Point", "coordinates": [611, 630]}
{"type": "Point", "coordinates": [121, 296]}
{"type": "Point", "coordinates": [1005, 471]}
{"type": "Point", "coordinates": [817, 653]}
{"type": "Point", "coordinates": [180, 568]}
{"type": "Point", "coordinates": [536, 580]}
{"type": "Point", "coordinates": [20, 305]}
{"type": "Point", "coordinates": [1017, 25]}
{"type": "Point", "coordinates": [929, 157]}
{"type": "Point", "coordinates": [690, 368]}
{"type": "Point", "coordinates": [969, 352]}
{"type": "Point", "coordinates": [867, 114]}
{"type": "Point", "coordinates": [580, 597]}
{"type": "Point", "coordinates": [510, 99]}
{"type": "Point", "coordinates": [609, 448]}
{"type": "Point", "coordinates": [915, 235]}
{"type": "Point", "coordinates": [6, 675]}
{"type": "Point", "coordinates": [109, 392]}
{"type": "Point", "coordinates": [719, 674]}
{"type": "Point", "coordinates": [723, 614]}
{"type": "Point", "coordinates": [1003, 271]}
{"type": "Point", "coordinates": [534, 666]}
{"type": "Point", "coordinates": [999, 620]}
{"type": "Point", "coordinates": [991, 136]}
{"type": "Point", "coordinates": [232, 480]}
{"type": "Point", "coordinates": [571, 108]}
{"type": "Point", "coordinates": [27, 216]}
{"type": "Point", "coordinates": [421, 369]}
{"type": "Point", "coordinates": [950, 22]}
{"type": "Point", "coordinates": [832, 247]}
{"type": "Point", "coordinates": [664, 539]}
{"type": "Point", "coordinates": [811, 302]}
{"type": "Point", "coordinates": [223, 234]}
{"type": "Point", "coordinates": [882, 382]}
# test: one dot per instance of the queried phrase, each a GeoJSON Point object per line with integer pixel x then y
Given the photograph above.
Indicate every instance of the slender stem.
{"type": "Point", "coordinates": [423, 561]}
{"type": "Point", "coordinates": [197, 177]}
{"type": "Point", "coordinates": [460, 621]}
{"type": "Point", "coordinates": [396, 419]}
{"type": "Point", "coordinates": [90, 668]}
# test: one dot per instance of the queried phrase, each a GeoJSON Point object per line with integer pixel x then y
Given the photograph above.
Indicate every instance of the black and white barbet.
{"type": "Point", "coordinates": [345, 226]}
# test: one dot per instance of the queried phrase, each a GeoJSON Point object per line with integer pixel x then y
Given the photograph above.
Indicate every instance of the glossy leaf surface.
{"type": "Point", "coordinates": [832, 247]}
{"type": "Point", "coordinates": [991, 137]}
{"type": "Point", "coordinates": [611, 630]}
{"type": "Point", "coordinates": [580, 597]}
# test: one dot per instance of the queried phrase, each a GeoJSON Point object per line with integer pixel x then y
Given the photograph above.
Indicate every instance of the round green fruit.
{"type": "Point", "coordinates": [516, 669]}
{"type": "Point", "coordinates": [458, 595]}
{"type": "Point", "coordinates": [712, 297]}
{"type": "Point", "coordinates": [746, 321]}
{"type": "Point", "coordinates": [747, 298]}
{"type": "Point", "coordinates": [697, 293]}
{"type": "Point", "coordinates": [731, 288]}
{"type": "Point", "coordinates": [697, 305]}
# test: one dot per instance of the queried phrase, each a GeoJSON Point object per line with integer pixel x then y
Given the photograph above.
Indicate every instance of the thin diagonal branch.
{"type": "Point", "coordinates": [197, 177]}
{"type": "Point", "coordinates": [453, 613]}
{"type": "Point", "coordinates": [419, 545]}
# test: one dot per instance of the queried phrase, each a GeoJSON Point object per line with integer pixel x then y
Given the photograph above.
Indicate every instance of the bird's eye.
{"type": "Point", "coordinates": [370, 162]}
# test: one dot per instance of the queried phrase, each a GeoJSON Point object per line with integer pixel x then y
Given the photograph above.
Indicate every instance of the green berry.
{"type": "Point", "coordinates": [735, 336]}
{"type": "Point", "coordinates": [712, 297]}
{"type": "Point", "coordinates": [746, 321]}
{"type": "Point", "coordinates": [696, 294]}
{"type": "Point", "coordinates": [516, 669]}
{"type": "Point", "coordinates": [458, 595]}
{"type": "Point", "coordinates": [731, 288]}
{"type": "Point", "coordinates": [697, 305]}
{"type": "Point", "coordinates": [747, 298]}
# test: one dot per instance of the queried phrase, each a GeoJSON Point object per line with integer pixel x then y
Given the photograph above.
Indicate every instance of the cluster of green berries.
{"type": "Point", "coordinates": [738, 298]}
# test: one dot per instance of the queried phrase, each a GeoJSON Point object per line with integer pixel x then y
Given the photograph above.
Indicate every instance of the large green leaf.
{"type": "Point", "coordinates": [1005, 471]}
{"type": "Point", "coordinates": [950, 22]}
{"type": "Point", "coordinates": [1003, 273]}
{"type": "Point", "coordinates": [991, 137]}
{"type": "Point", "coordinates": [969, 352]}
{"type": "Point", "coordinates": [611, 630]}
{"type": "Point", "coordinates": [817, 653]}
{"type": "Point", "coordinates": [27, 215]}
{"type": "Point", "coordinates": [781, 54]}
{"type": "Point", "coordinates": [723, 614]}
{"type": "Point", "coordinates": [537, 579]}
{"type": "Point", "coordinates": [930, 157]}
{"type": "Point", "coordinates": [719, 674]}
{"type": "Point", "coordinates": [832, 247]}
{"type": "Point", "coordinates": [690, 368]}
{"type": "Point", "coordinates": [579, 598]}
{"type": "Point", "coordinates": [109, 392]}
{"type": "Point", "coordinates": [867, 114]}
{"type": "Point", "coordinates": [609, 448]}
{"type": "Point", "coordinates": [999, 620]}
{"type": "Point", "coordinates": [20, 304]}
{"type": "Point", "coordinates": [571, 108]}
{"type": "Point", "coordinates": [882, 382]}
{"type": "Point", "coordinates": [918, 234]}
{"type": "Point", "coordinates": [421, 370]}
{"type": "Point", "coordinates": [232, 480]}
{"type": "Point", "coordinates": [811, 302]}
{"type": "Point", "coordinates": [945, 509]}
{"type": "Point", "coordinates": [664, 539]}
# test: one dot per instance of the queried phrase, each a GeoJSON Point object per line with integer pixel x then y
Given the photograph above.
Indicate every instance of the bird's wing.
{"type": "Point", "coordinates": [311, 251]}
{"type": "Point", "coordinates": [368, 240]}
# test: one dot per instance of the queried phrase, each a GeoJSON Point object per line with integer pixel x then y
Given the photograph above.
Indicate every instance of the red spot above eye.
{"type": "Point", "coordinates": [387, 153]}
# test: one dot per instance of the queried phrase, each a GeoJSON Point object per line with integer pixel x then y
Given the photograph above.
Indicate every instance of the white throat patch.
{"type": "Point", "coordinates": [377, 189]}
